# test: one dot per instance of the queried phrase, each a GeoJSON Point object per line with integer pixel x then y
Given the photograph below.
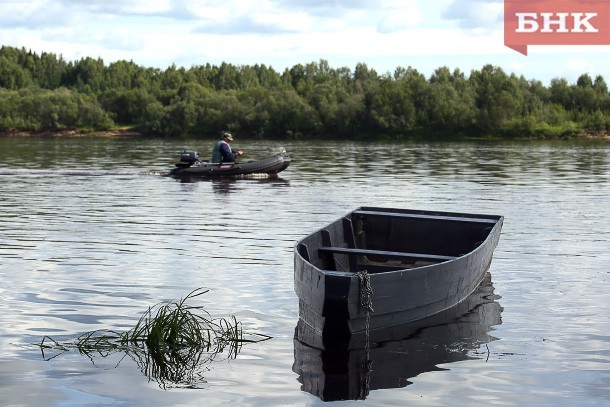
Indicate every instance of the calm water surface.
{"type": "Point", "coordinates": [92, 234]}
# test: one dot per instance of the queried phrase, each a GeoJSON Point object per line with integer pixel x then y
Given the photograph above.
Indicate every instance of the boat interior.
{"type": "Point", "coordinates": [380, 239]}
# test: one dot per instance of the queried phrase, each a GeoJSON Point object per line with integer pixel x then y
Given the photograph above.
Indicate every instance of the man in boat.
{"type": "Point", "coordinates": [222, 152]}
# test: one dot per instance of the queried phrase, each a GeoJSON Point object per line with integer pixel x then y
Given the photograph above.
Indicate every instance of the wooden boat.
{"type": "Point", "coordinates": [401, 352]}
{"type": "Point", "coordinates": [379, 267]}
{"type": "Point", "coordinates": [190, 166]}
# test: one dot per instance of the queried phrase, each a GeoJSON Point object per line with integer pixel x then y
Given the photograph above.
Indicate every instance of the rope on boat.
{"type": "Point", "coordinates": [366, 302]}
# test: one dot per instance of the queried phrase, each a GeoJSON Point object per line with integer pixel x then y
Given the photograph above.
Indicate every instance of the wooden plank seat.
{"type": "Point", "coordinates": [383, 253]}
{"type": "Point", "coordinates": [426, 216]}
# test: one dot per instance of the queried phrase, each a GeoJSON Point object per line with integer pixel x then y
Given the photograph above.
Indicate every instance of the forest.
{"type": "Point", "coordinates": [44, 92]}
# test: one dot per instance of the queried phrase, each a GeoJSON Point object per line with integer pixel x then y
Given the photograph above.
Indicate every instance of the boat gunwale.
{"type": "Point", "coordinates": [431, 216]}
{"type": "Point", "coordinates": [497, 224]}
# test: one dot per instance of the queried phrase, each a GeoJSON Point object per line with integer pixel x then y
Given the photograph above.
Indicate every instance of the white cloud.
{"type": "Point", "coordinates": [330, 9]}
{"type": "Point", "coordinates": [34, 14]}
{"type": "Point", "coordinates": [122, 7]}
{"type": "Point", "coordinates": [476, 14]}
{"type": "Point", "coordinates": [256, 22]}
{"type": "Point", "coordinates": [399, 16]}
{"type": "Point", "coordinates": [573, 68]}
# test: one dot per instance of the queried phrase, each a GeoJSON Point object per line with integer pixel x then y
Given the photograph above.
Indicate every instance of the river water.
{"type": "Point", "coordinates": [92, 234]}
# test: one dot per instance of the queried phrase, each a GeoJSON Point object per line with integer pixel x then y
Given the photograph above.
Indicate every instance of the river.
{"type": "Point", "coordinates": [92, 234]}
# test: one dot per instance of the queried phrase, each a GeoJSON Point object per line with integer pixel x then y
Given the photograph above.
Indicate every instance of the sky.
{"type": "Point", "coordinates": [383, 34]}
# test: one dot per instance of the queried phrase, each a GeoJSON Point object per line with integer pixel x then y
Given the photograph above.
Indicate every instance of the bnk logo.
{"type": "Point", "coordinates": [555, 22]}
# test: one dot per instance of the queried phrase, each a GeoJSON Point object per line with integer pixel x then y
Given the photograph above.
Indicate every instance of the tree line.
{"type": "Point", "coordinates": [45, 92]}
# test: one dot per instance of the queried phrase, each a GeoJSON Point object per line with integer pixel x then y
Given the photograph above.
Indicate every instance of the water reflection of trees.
{"type": "Point", "coordinates": [501, 162]}
{"type": "Point", "coordinates": [343, 373]}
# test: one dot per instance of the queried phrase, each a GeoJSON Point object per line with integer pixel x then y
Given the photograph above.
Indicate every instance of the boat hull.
{"type": "Point", "coordinates": [416, 263]}
{"type": "Point", "coordinates": [401, 352]}
{"type": "Point", "coordinates": [269, 166]}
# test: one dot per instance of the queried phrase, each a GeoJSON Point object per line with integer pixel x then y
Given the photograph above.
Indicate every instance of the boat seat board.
{"type": "Point", "coordinates": [425, 216]}
{"type": "Point", "coordinates": [383, 253]}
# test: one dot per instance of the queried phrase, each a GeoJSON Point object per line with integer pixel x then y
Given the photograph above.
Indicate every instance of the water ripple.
{"type": "Point", "coordinates": [94, 235]}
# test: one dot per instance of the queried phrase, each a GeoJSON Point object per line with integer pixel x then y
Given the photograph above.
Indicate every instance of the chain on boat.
{"type": "Point", "coordinates": [366, 302]}
{"type": "Point", "coordinates": [366, 299]}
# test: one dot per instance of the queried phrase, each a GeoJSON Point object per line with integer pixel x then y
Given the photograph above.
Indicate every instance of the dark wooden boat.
{"type": "Point", "coordinates": [379, 267]}
{"type": "Point", "coordinates": [190, 166]}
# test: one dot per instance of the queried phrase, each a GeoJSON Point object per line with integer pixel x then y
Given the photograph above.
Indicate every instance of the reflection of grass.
{"type": "Point", "coordinates": [170, 343]}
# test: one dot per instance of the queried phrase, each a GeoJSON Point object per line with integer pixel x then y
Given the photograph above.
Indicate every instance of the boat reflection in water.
{"type": "Point", "coordinates": [348, 371]}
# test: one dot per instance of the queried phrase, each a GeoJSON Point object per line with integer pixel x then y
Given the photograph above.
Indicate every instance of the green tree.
{"type": "Point", "coordinates": [12, 75]}
{"type": "Point", "coordinates": [86, 75]}
{"type": "Point", "coordinates": [449, 102]}
{"type": "Point", "coordinates": [497, 98]}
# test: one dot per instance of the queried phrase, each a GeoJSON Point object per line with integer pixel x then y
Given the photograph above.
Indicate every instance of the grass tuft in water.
{"type": "Point", "coordinates": [169, 343]}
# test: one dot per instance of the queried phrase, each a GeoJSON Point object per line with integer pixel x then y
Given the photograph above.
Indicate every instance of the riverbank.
{"type": "Point", "coordinates": [72, 133]}
{"type": "Point", "coordinates": [597, 135]}
{"type": "Point", "coordinates": [603, 135]}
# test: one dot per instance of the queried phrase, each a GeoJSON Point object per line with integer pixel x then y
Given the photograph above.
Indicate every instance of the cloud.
{"type": "Point", "coordinates": [476, 14]}
{"type": "Point", "coordinates": [399, 16]}
{"type": "Point", "coordinates": [172, 9]}
{"type": "Point", "coordinates": [258, 22]}
{"type": "Point", "coordinates": [329, 9]}
{"type": "Point", "coordinates": [288, 16]}
{"type": "Point", "coordinates": [192, 9]}
{"type": "Point", "coordinates": [122, 7]}
{"type": "Point", "coordinates": [573, 68]}
{"type": "Point", "coordinates": [33, 14]}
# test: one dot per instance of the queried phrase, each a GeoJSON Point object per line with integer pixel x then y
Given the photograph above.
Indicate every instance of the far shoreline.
{"type": "Point", "coordinates": [72, 133]}
{"type": "Point", "coordinates": [588, 135]}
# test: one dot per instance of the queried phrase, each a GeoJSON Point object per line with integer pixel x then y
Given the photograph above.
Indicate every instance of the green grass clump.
{"type": "Point", "coordinates": [170, 342]}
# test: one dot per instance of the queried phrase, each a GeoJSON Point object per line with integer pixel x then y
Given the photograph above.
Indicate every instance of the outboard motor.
{"type": "Point", "coordinates": [188, 158]}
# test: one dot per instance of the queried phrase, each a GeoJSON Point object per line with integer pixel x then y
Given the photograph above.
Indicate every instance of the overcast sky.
{"type": "Point", "coordinates": [384, 34]}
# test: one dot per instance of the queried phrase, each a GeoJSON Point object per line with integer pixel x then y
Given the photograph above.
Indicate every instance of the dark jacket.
{"type": "Point", "coordinates": [222, 153]}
